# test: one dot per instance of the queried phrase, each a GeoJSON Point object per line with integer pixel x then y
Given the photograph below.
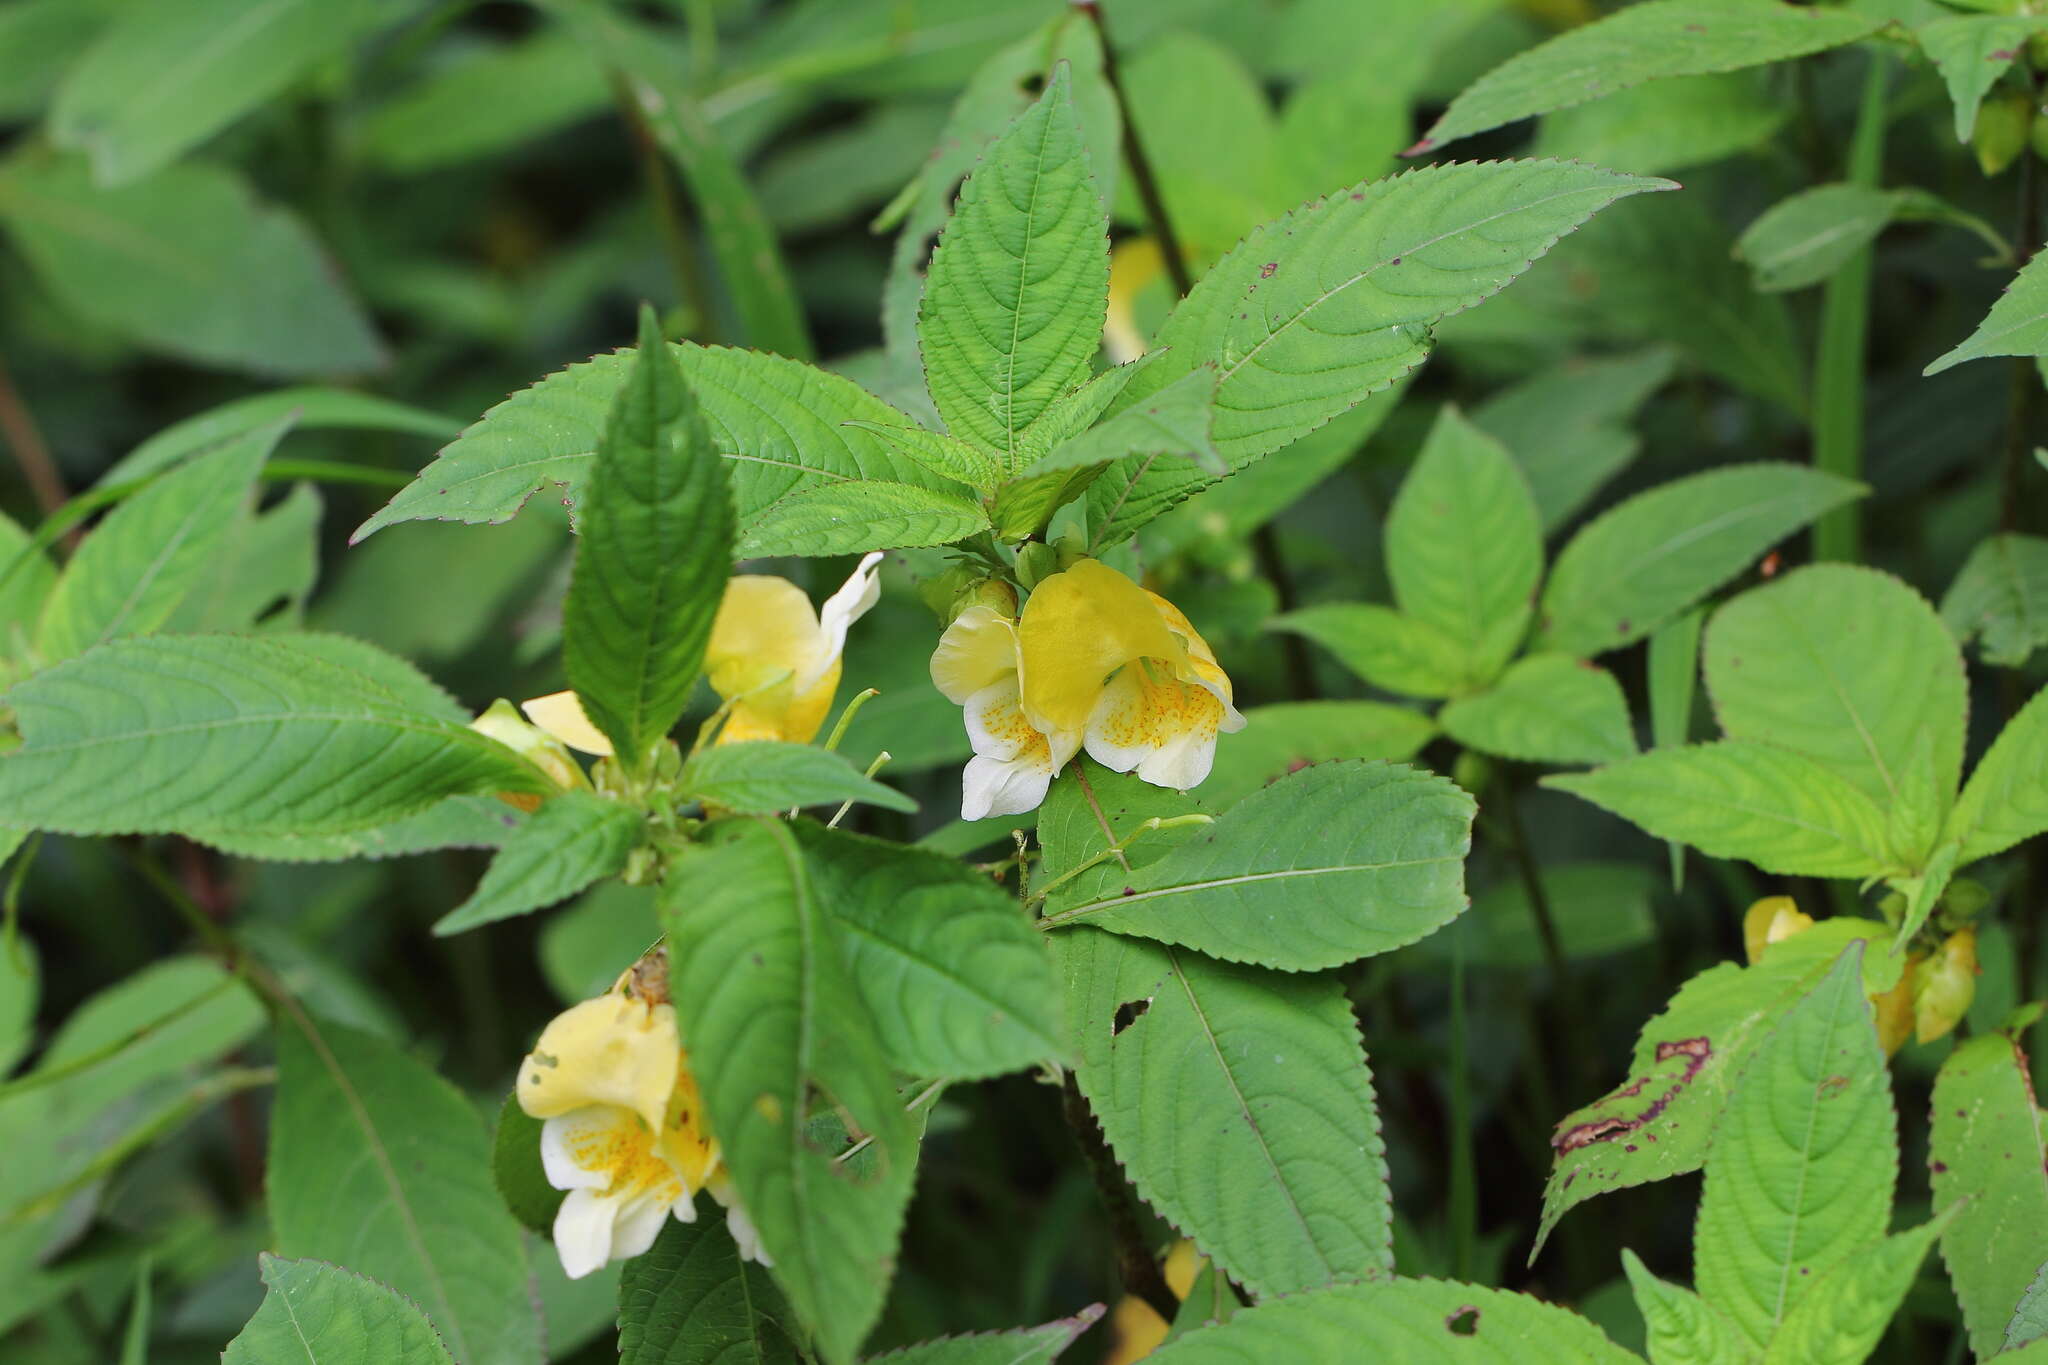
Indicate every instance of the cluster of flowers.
{"type": "Point", "coordinates": [1093, 661]}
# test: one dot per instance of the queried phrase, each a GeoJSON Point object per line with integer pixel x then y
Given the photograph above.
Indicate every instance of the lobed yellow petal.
{"type": "Point", "coordinates": [612, 1050]}
{"type": "Point", "coordinates": [1079, 627]}
{"type": "Point", "coordinates": [561, 715]}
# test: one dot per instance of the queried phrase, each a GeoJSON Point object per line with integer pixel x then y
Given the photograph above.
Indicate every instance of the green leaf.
{"type": "Point", "coordinates": [2006, 799]}
{"type": "Point", "coordinates": [377, 1161]}
{"type": "Point", "coordinates": [1465, 545]}
{"type": "Point", "coordinates": [20, 985]}
{"type": "Point", "coordinates": [1989, 1146]}
{"type": "Point", "coordinates": [2030, 1319]}
{"type": "Point", "coordinates": [1567, 427]}
{"type": "Point", "coordinates": [313, 408]}
{"type": "Point", "coordinates": [776, 1027]}
{"type": "Point", "coordinates": [516, 1169]}
{"type": "Point", "coordinates": [267, 560]}
{"type": "Point", "coordinates": [1207, 128]}
{"type": "Point", "coordinates": [1841, 1319]}
{"type": "Point", "coordinates": [762, 776]}
{"type": "Point", "coordinates": [1644, 42]}
{"type": "Point", "coordinates": [1383, 646]}
{"type": "Point", "coordinates": [949, 457]}
{"type": "Point", "coordinates": [1803, 240]}
{"type": "Point", "coordinates": [452, 822]}
{"type": "Point", "coordinates": [138, 565]}
{"type": "Point", "coordinates": [1659, 1122]}
{"type": "Point", "coordinates": [1023, 1346]}
{"type": "Point", "coordinates": [324, 1315]}
{"type": "Point", "coordinates": [651, 564]}
{"type": "Point", "coordinates": [1802, 1166]}
{"type": "Point", "coordinates": [30, 576]}
{"type": "Point", "coordinates": [691, 1300]}
{"type": "Point", "coordinates": [487, 101]}
{"type": "Point", "coordinates": [1546, 708]}
{"type": "Point", "coordinates": [162, 79]}
{"type": "Point", "coordinates": [1400, 1322]}
{"type": "Point", "coordinates": [1283, 1196]}
{"type": "Point", "coordinates": [782, 427]}
{"type": "Point", "coordinates": [1172, 421]}
{"type": "Point", "coordinates": [1638, 565]}
{"type": "Point", "coordinates": [574, 839]}
{"type": "Point", "coordinates": [1684, 1328]}
{"type": "Point", "coordinates": [2002, 596]}
{"type": "Point", "coordinates": [1971, 52]}
{"type": "Point", "coordinates": [1668, 126]}
{"type": "Point", "coordinates": [958, 985]}
{"type": "Point", "coordinates": [187, 262]}
{"type": "Point", "coordinates": [850, 517]}
{"type": "Point", "coordinates": [1744, 799]}
{"type": "Point", "coordinates": [1015, 297]}
{"type": "Point", "coordinates": [1853, 669]}
{"type": "Point", "coordinates": [1319, 309]}
{"type": "Point", "coordinates": [2016, 325]}
{"type": "Point", "coordinates": [1336, 862]}
{"type": "Point", "coordinates": [230, 735]}
{"type": "Point", "coordinates": [1285, 736]}
{"type": "Point", "coordinates": [39, 41]}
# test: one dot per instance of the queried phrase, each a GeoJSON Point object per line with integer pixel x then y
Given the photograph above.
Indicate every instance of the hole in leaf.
{"type": "Point", "coordinates": [1032, 84]}
{"type": "Point", "coordinates": [1127, 1014]}
{"type": "Point", "coordinates": [1464, 1322]}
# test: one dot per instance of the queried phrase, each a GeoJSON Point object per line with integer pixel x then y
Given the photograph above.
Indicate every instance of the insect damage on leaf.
{"type": "Point", "coordinates": [1632, 1109]}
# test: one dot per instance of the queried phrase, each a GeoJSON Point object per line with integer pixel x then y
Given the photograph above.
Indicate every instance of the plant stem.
{"type": "Point", "coordinates": [1464, 1182]}
{"type": "Point", "coordinates": [1142, 180]}
{"type": "Point", "coordinates": [1532, 881]}
{"type": "Point", "coordinates": [1844, 336]}
{"type": "Point", "coordinates": [2026, 377]}
{"type": "Point", "coordinates": [25, 439]}
{"type": "Point", "coordinates": [1136, 1265]}
{"type": "Point", "coordinates": [691, 287]}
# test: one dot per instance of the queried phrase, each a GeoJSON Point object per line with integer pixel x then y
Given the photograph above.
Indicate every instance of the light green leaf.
{"type": "Point", "coordinates": [1684, 1328]}
{"type": "Point", "coordinates": [958, 985]}
{"type": "Point", "coordinates": [1400, 1322]}
{"type": "Point", "coordinates": [691, 1300]}
{"type": "Point", "coordinates": [161, 79]}
{"type": "Point", "coordinates": [2002, 596]}
{"type": "Point", "coordinates": [1207, 128]}
{"type": "Point", "coordinates": [1668, 126]}
{"type": "Point", "coordinates": [187, 262]}
{"type": "Point", "coordinates": [1989, 1146]}
{"type": "Point", "coordinates": [2006, 799]}
{"type": "Point", "coordinates": [1851, 668]}
{"type": "Point", "coordinates": [313, 408]}
{"type": "Point", "coordinates": [40, 40]}
{"type": "Point", "coordinates": [1971, 52]}
{"type": "Point", "coordinates": [485, 102]}
{"type": "Point", "coordinates": [761, 776]}
{"type": "Point", "coordinates": [20, 986]}
{"type": "Point", "coordinates": [1803, 240]}
{"type": "Point", "coordinates": [30, 576]}
{"type": "Point", "coordinates": [378, 1162]}
{"type": "Point", "coordinates": [1336, 862]}
{"type": "Point", "coordinates": [1840, 1320]}
{"type": "Point", "coordinates": [1023, 1346]}
{"type": "Point", "coordinates": [1644, 42]}
{"type": "Point", "coordinates": [651, 564]}
{"type": "Point", "coordinates": [2030, 1320]}
{"type": "Point", "coordinates": [1383, 646]}
{"type": "Point", "coordinates": [1638, 565]}
{"type": "Point", "coordinates": [1014, 300]}
{"type": "Point", "coordinates": [853, 516]}
{"type": "Point", "coordinates": [2016, 325]}
{"type": "Point", "coordinates": [1285, 736]}
{"type": "Point", "coordinates": [231, 735]}
{"type": "Point", "coordinates": [1465, 545]}
{"type": "Point", "coordinates": [1802, 1165]}
{"type": "Point", "coordinates": [139, 564]}
{"type": "Point", "coordinates": [1173, 422]}
{"type": "Point", "coordinates": [1744, 799]}
{"type": "Point", "coordinates": [949, 457]}
{"type": "Point", "coordinates": [1283, 1196]}
{"type": "Point", "coordinates": [266, 560]}
{"type": "Point", "coordinates": [1567, 427]}
{"type": "Point", "coordinates": [782, 427]}
{"type": "Point", "coordinates": [1659, 1122]}
{"type": "Point", "coordinates": [1547, 708]}
{"type": "Point", "coordinates": [776, 1025]}
{"type": "Point", "coordinates": [452, 822]}
{"type": "Point", "coordinates": [574, 839]}
{"type": "Point", "coordinates": [1320, 308]}
{"type": "Point", "coordinates": [324, 1315]}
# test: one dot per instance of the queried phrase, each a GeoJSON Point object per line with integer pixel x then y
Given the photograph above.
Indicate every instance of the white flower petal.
{"type": "Point", "coordinates": [579, 1130]}
{"type": "Point", "coordinates": [1181, 763]}
{"type": "Point", "coordinates": [855, 597]}
{"type": "Point", "coordinates": [991, 786]}
{"type": "Point", "coordinates": [1163, 729]}
{"type": "Point", "coordinates": [583, 1232]}
{"type": "Point", "coordinates": [638, 1223]}
{"type": "Point", "coordinates": [745, 1235]}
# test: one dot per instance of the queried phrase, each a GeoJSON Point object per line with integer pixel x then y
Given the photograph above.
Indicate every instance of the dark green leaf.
{"type": "Point", "coordinates": [574, 839]}
{"type": "Point", "coordinates": [691, 1300]}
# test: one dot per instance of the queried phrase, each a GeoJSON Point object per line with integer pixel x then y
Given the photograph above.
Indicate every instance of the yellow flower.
{"type": "Point", "coordinates": [1136, 1331]}
{"type": "Point", "coordinates": [773, 657]}
{"type": "Point", "coordinates": [1769, 920]}
{"type": "Point", "coordinates": [1133, 265]}
{"type": "Point", "coordinates": [1948, 983]}
{"type": "Point", "coordinates": [978, 667]}
{"type": "Point", "coordinates": [622, 1130]}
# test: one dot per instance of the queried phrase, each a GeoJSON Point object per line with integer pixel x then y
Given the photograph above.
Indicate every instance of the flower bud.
{"type": "Point", "coordinates": [1947, 986]}
{"type": "Point", "coordinates": [1895, 1008]}
{"type": "Point", "coordinates": [1965, 898]}
{"type": "Point", "coordinates": [2003, 125]}
{"type": "Point", "coordinates": [1037, 562]}
{"type": "Point", "coordinates": [1771, 919]}
{"type": "Point", "coordinates": [503, 723]}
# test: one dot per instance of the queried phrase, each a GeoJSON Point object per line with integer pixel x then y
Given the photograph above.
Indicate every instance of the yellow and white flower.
{"type": "Point", "coordinates": [1093, 662]}
{"type": "Point", "coordinates": [771, 656]}
{"type": "Point", "coordinates": [622, 1130]}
